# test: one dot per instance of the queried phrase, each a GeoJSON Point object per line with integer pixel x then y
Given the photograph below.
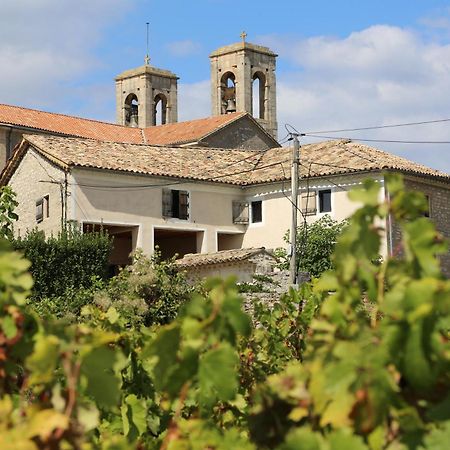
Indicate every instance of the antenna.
{"type": "Point", "coordinates": [147, 57]}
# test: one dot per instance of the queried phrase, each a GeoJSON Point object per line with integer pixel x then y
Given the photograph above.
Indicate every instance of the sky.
{"type": "Point", "coordinates": [342, 63]}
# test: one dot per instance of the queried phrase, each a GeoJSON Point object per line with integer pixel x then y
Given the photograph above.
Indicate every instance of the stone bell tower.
{"type": "Point", "coordinates": [146, 96]}
{"type": "Point", "coordinates": [243, 79]}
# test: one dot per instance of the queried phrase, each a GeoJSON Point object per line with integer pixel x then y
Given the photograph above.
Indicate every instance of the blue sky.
{"type": "Point", "coordinates": [341, 63]}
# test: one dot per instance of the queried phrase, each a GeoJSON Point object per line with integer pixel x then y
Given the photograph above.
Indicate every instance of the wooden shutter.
{"type": "Point", "coordinates": [309, 203]}
{"type": "Point", "coordinates": [39, 210]}
{"type": "Point", "coordinates": [240, 212]}
{"type": "Point", "coordinates": [167, 203]}
{"type": "Point", "coordinates": [184, 205]}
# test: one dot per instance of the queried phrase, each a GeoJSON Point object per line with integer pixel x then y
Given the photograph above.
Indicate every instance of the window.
{"type": "Point", "coordinates": [175, 204]}
{"type": "Point", "coordinates": [308, 203]}
{"type": "Point", "coordinates": [240, 213]}
{"type": "Point", "coordinates": [325, 201]}
{"type": "Point", "coordinates": [257, 211]}
{"type": "Point", "coordinates": [427, 212]}
{"type": "Point", "coordinates": [42, 209]}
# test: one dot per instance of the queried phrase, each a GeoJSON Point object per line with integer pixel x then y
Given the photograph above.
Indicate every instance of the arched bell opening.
{"type": "Point", "coordinates": [259, 95]}
{"type": "Point", "coordinates": [160, 113]}
{"type": "Point", "coordinates": [131, 110]}
{"type": "Point", "coordinates": [228, 93]}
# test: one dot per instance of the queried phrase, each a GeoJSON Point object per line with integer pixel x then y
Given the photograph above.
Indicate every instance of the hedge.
{"type": "Point", "coordinates": [68, 260]}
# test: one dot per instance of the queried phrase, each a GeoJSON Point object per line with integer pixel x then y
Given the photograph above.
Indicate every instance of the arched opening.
{"type": "Point", "coordinates": [258, 95]}
{"type": "Point", "coordinates": [228, 93]}
{"type": "Point", "coordinates": [131, 108]}
{"type": "Point", "coordinates": [160, 115]}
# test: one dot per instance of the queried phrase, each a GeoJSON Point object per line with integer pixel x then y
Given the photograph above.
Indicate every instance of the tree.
{"type": "Point", "coordinates": [315, 245]}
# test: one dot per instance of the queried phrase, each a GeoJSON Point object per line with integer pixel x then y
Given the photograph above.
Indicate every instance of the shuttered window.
{"type": "Point", "coordinates": [42, 208]}
{"type": "Point", "coordinates": [309, 203]}
{"type": "Point", "coordinates": [175, 204]}
{"type": "Point", "coordinates": [240, 213]}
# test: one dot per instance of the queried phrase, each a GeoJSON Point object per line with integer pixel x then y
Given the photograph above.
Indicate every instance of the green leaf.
{"type": "Point", "coordinates": [218, 374]}
{"type": "Point", "coordinates": [136, 415]}
{"type": "Point", "coordinates": [439, 438]}
{"type": "Point", "coordinates": [416, 365]}
{"type": "Point", "coordinates": [42, 362]}
{"type": "Point", "coordinates": [102, 383]}
{"type": "Point", "coordinates": [88, 416]}
{"type": "Point", "coordinates": [9, 327]}
{"type": "Point", "coordinates": [302, 439]}
{"type": "Point", "coordinates": [342, 440]}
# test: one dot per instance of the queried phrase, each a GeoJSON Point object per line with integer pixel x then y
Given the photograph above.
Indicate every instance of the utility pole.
{"type": "Point", "coordinates": [294, 200]}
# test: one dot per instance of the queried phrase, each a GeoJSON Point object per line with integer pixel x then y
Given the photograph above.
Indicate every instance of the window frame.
{"type": "Point", "coordinates": [319, 197]}
{"type": "Point", "coordinates": [167, 209]}
{"type": "Point", "coordinates": [251, 219]}
{"type": "Point", "coordinates": [44, 204]}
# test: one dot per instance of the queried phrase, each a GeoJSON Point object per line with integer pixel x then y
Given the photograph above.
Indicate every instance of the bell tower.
{"type": "Point", "coordinates": [146, 96]}
{"type": "Point", "coordinates": [243, 79]}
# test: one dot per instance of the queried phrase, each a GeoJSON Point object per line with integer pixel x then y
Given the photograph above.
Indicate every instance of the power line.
{"type": "Point", "coordinates": [391, 141]}
{"type": "Point", "coordinates": [377, 127]}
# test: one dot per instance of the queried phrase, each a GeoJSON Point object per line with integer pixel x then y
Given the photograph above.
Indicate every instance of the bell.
{"type": "Point", "coordinates": [134, 118]}
{"type": "Point", "coordinates": [231, 106]}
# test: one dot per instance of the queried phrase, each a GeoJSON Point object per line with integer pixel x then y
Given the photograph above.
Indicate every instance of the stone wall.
{"type": "Point", "coordinates": [240, 134]}
{"type": "Point", "coordinates": [439, 195]}
{"type": "Point", "coordinates": [35, 178]}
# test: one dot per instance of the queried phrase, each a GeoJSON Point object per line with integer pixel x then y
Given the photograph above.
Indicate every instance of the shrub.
{"type": "Point", "coordinates": [149, 291]}
{"type": "Point", "coordinates": [315, 245]}
{"type": "Point", "coordinates": [68, 261]}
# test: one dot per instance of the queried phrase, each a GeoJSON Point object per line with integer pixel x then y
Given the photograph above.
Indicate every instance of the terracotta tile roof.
{"type": "Point", "coordinates": [189, 131]}
{"type": "Point", "coordinates": [68, 125]}
{"type": "Point", "coordinates": [237, 167]}
{"type": "Point", "coordinates": [224, 256]}
{"type": "Point", "coordinates": [176, 133]}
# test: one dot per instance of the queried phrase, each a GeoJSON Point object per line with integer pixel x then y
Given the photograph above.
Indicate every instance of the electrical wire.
{"type": "Point", "coordinates": [391, 141]}
{"type": "Point", "coordinates": [174, 183]}
{"type": "Point", "coordinates": [378, 127]}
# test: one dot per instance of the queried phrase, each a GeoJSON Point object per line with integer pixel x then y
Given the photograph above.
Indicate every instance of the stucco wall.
{"type": "Point", "coordinates": [35, 178]}
{"type": "Point", "coordinates": [276, 208]}
{"type": "Point", "coordinates": [210, 206]}
{"type": "Point", "coordinates": [439, 195]}
{"type": "Point", "coordinates": [242, 133]}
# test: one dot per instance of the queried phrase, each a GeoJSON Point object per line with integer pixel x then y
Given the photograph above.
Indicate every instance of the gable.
{"type": "Point", "coordinates": [243, 133]}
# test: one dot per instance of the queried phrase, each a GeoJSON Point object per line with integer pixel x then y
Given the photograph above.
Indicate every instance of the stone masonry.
{"type": "Point", "coordinates": [246, 61]}
{"type": "Point", "coordinates": [439, 198]}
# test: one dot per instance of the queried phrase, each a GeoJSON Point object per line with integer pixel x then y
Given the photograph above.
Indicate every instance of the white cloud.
{"type": "Point", "coordinates": [380, 75]}
{"type": "Point", "coordinates": [47, 44]}
{"type": "Point", "coordinates": [182, 49]}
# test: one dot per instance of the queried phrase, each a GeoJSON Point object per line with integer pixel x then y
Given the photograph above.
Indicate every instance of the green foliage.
{"type": "Point", "coordinates": [68, 261]}
{"type": "Point", "coordinates": [316, 371]}
{"type": "Point", "coordinates": [8, 204]}
{"type": "Point", "coordinates": [315, 245]}
{"type": "Point", "coordinates": [149, 291]}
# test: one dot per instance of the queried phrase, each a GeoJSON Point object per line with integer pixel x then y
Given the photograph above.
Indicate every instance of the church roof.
{"type": "Point", "coordinates": [176, 133]}
{"type": "Point", "coordinates": [234, 167]}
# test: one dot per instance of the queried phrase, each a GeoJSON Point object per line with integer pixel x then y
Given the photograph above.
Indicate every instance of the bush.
{"type": "Point", "coordinates": [149, 291]}
{"type": "Point", "coordinates": [315, 245]}
{"type": "Point", "coordinates": [70, 260]}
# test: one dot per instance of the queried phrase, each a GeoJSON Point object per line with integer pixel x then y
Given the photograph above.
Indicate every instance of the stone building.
{"type": "Point", "coordinates": [243, 79]}
{"type": "Point", "coordinates": [200, 186]}
{"type": "Point", "coordinates": [148, 196]}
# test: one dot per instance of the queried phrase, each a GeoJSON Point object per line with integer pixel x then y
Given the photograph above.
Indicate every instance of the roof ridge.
{"type": "Point", "coordinates": [64, 115]}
